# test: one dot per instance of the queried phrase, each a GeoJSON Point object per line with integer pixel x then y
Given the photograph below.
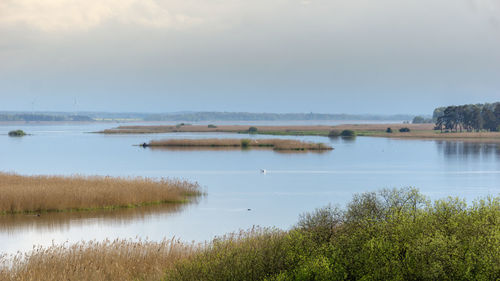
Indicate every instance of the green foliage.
{"type": "Point", "coordinates": [348, 133]}
{"type": "Point", "coordinates": [404, 130]}
{"type": "Point", "coordinates": [393, 234]}
{"type": "Point", "coordinates": [252, 130]}
{"type": "Point", "coordinates": [17, 133]}
{"type": "Point", "coordinates": [212, 126]}
{"type": "Point", "coordinates": [334, 133]}
{"type": "Point", "coordinates": [245, 143]}
{"type": "Point", "coordinates": [469, 117]}
{"type": "Point", "coordinates": [389, 130]}
{"type": "Point", "coordinates": [421, 120]}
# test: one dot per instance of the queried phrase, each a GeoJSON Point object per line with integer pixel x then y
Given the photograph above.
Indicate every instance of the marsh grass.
{"type": "Point", "coordinates": [275, 144]}
{"type": "Point", "coordinates": [106, 260]}
{"type": "Point", "coordinates": [25, 194]}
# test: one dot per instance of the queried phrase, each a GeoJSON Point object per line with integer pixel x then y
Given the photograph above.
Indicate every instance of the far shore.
{"type": "Point", "coordinates": [417, 131]}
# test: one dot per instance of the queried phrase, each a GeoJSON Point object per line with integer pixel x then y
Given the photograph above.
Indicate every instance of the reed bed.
{"type": "Point", "coordinates": [24, 194]}
{"type": "Point", "coordinates": [106, 260]}
{"type": "Point", "coordinates": [275, 144]}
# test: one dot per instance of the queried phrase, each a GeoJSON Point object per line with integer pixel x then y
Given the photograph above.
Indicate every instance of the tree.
{"type": "Point", "coordinates": [490, 120]}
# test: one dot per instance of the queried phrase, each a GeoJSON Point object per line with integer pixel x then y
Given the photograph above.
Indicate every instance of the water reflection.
{"type": "Point", "coordinates": [64, 220]}
{"type": "Point", "coordinates": [463, 149]}
{"type": "Point", "coordinates": [209, 148]}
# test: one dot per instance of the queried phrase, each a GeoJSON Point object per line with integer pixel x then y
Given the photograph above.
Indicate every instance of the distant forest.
{"type": "Point", "coordinates": [193, 116]}
{"type": "Point", "coordinates": [469, 117]}
{"type": "Point", "coordinates": [246, 116]}
{"type": "Point", "coordinates": [42, 117]}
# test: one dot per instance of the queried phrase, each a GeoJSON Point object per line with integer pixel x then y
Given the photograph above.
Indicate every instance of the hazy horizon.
{"type": "Point", "coordinates": [322, 56]}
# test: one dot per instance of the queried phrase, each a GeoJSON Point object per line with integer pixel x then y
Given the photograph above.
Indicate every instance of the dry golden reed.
{"type": "Point", "coordinates": [20, 194]}
{"type": "Point", "coordinates": [143, 260]}
{"type": "Point", "coordinates": [106, 260]}
{"type": "Point", "coordinates": [276, 144]}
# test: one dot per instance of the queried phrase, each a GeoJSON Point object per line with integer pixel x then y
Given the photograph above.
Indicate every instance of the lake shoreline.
{"type": "Point", "coordinates": [417, 131]}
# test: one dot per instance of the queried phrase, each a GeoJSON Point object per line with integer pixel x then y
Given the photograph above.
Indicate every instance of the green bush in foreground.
{"type": "Point", "coordinates": [17, 133]}
{"type": "Point", "coordinates": [388, 235]}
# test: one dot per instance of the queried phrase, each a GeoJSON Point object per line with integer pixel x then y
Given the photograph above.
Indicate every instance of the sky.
{"type": "Point", "coordinates": [327, 56]}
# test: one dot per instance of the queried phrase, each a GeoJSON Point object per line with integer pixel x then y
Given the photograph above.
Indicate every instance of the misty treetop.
{"type": "Point", "coordinates": [469, 117]}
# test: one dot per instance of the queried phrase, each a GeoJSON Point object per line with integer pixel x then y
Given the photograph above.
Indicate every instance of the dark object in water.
{"type": "Point", "coordinates": [144, 145]}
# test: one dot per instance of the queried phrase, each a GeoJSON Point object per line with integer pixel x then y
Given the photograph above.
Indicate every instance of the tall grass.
{"type": "Point", "coordinates": [276, 144]}
{"type": "Point", "coordinates": [107, 260]}
{"type": "Point", "coordinates": [20, 194]}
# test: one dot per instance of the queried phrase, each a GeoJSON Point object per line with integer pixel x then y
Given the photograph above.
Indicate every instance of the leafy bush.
{"type": "Point", "coordinates": [348, 133]}
{"type": "Point", "coordinates": [393, 234]}
{"type": "Point", "coordinates": [17, 133]}
{"type": "Point", "coordinates": [389, 130]}
{"type": "Point", "coordinates": [404, 130]}
{"type": "Point", "coordinates": [245, 143]}
{"type": "Point", "coordinates": [334, 133]}
{"type": "Point", "coordinates": [252, 130]}
{"type": "Point", "coordinates": [212, 126]}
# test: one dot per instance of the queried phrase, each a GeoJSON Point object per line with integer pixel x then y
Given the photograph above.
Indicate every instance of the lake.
{"type": "Point", "coordinates": [238, 196]}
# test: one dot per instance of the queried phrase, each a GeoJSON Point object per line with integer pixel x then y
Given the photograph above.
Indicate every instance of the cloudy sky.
{"type": "Point", "coordinates": [331, 56]}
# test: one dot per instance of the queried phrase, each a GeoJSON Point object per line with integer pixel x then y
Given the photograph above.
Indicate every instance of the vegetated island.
{"type": "Point", "coordinates": [38, 194]}
{"type": "Point", "coordinates": [414, 131]}
{"type": "Point", "coordinates": [468, 122]}
{"type": "Point", "coordinates": [275, 144]}
{"type": "Point", "coordinates": [17, 133]}
{"type": "Point", "coordinates": [394, 234]}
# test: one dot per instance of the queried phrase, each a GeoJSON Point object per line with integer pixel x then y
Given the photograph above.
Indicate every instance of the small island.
{"type": "Point", "coordinates": [17, 133]}
{"type": "Point", "coordinates": [275, 144]}
{"type": "Point", "coordinates": [41, 194]}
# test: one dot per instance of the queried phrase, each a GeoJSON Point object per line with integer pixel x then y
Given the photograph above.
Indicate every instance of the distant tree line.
{"type": "Point", "coordinates": [422, 120]}
{"type": "Point", "coordinates": [43, 117]}
{"type": "Point", "coordinates": [248, 116]}
{"type": "Point", "coordinates": [469, 117]}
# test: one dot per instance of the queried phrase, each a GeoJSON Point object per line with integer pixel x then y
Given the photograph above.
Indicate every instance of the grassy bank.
{"type": "Point", "coordinates": [416, 131]}
{"type": "Point", "coordinates": [388, 235]}
{"type": "Point", "coordinates": [275, 144]}
{"type": "Point", "coordinates": [22, 194]}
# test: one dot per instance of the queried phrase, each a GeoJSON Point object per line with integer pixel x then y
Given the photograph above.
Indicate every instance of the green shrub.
{"type": "Point", "coordinates": [389, 130]}
{"type": "Point", "coordinates": [252, 130]}
{"type": "Point", "coordinates": [334, 133]}
{"type": "Point", "coordinates": [404, 130]}
{"type": "Point", "coordinates": [245, 143]}
{"type": "Point", "coordinates": [212, 126]}
{"type": "Point", "coordinates": [348, 133]}
{"type": "Point", "coordinates": [17, 133]}
{"type": "Point", "coordinates": [393, 234]}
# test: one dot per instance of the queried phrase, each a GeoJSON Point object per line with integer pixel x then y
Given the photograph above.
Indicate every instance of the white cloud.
{"type": "Point", "coordinates": [70, 15]}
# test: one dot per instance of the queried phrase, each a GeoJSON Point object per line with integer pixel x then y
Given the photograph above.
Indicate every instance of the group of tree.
{"type": "Point", "coordinates": [43, 117]}
{"type": "Point", "coordinates": [469, 117]}
{"type": "Point", "coordinates": [421, 120]}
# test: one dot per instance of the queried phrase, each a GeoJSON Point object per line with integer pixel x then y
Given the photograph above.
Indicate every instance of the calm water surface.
{"type": "Point", "coordinates": [294, 183]}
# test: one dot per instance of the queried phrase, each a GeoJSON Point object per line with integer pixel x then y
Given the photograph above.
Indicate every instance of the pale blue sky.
{"type": "Point", "coordinates": [330, 56]}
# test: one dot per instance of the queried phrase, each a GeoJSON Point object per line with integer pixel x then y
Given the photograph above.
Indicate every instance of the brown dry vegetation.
{"type": "Point", "coordinates": [20, 194]}
{"type": "Point", "coordinates": [276, 144]}
{"type": "Point", "coordinates": [417, 131]}
{"type": "Point", "coordinates": [261, 129]}
{"type": "Point", "coordinates": [107, 260]}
